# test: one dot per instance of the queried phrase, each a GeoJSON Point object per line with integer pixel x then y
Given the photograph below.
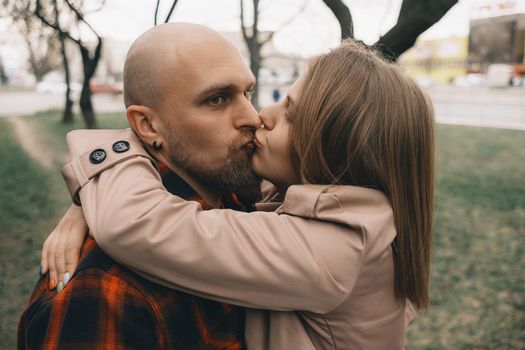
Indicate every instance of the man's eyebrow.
{"type": "Point", "coordinates": [213, 89]}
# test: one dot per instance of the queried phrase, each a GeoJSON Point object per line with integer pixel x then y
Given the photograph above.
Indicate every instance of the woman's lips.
{"type": "Point", "coordinates": [256, 142]}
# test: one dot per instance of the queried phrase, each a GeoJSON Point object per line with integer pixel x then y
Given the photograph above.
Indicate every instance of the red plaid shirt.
{"type": "Point", "coordinates": [106, 306]}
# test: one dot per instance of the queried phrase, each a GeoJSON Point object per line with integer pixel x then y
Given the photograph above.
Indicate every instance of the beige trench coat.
{"type": "Point", "coordinates": [325, 252]}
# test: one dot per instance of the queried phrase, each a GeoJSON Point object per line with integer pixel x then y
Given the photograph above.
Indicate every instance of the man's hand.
{"type": "Point", "coordinates": [61, 250]}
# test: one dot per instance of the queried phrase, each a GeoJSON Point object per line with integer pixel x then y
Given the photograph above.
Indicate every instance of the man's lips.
{"type": "Point", "coordinates": [250, 145]}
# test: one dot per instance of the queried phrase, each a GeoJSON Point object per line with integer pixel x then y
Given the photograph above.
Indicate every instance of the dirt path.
{"type": "Point", "coordinates": [30, 144]}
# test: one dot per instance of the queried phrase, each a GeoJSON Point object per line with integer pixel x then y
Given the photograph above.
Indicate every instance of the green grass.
{"type": "Point", "coordinates": [31, 202]}
{"type": "Point", "coordinates": [477, 283]}
{"type": "Point", "coordinates": [477, 280]}
{"type": "Point", "coordinates": [53, 131]}
{"type": "Point", "coordinates": [26, 212]}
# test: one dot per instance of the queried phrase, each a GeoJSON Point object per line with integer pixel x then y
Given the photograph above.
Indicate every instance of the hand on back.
{"type": "Point", "coordinates": [61, 249]}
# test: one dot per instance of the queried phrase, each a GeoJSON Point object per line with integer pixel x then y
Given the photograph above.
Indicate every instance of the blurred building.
{"type": "Point", "coordinates": [497, 36]}
{"type": "Point", "coordinates": [497, 33]}
{"type": "Point", "coordinates": [436, 61]}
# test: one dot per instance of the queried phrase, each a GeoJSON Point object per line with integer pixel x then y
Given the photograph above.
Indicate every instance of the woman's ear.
{"type": "Point", "coordinates": [146, 124]}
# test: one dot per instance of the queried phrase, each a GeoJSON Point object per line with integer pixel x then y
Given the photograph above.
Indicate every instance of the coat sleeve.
{"type": "Point", "coordinates": [257, 260]}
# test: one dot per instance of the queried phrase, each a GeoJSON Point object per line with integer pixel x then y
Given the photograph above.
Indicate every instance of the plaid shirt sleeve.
{"type": "Point", "coordinates": [106, 306]}
{"type": "Point", "coordinates": [96, 310]}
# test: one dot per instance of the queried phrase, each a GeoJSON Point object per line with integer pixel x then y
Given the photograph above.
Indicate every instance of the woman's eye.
{"type": "Point", "coordinates": [215, 100]}
{"type": "Point", "coordinates": [287, 117]}
{"type": "Point", "coordinates": [249, 94]}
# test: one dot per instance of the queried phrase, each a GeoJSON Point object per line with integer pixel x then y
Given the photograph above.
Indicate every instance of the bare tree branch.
{"type": "Point", "coordinates": [67, 117]}
{"type": "Point", "coordinates": [171, 11]}
{"type": "Point", "coordinates": [89, 64]}
{"type": "Point", "coordinates": [100, 7]}
{"type": "Point", "coordinates": [255, 28]}
{"type": "Point", "coordinates": [80, 17]}
{"type": "Point", "coordinates": [243, 27]}
{"type": "Point", "coordinates": [342, 13]}
{"type": "Point", "coordinates": [156, 12]}
{"type": "Point", "coordinates": [416, 16]}
{"type": "Point", "coordinates": [287, 22]}
{"type": "Point", "coordinates": [55, 26]}
{"type": "Point", "coordinates": [253, 44]}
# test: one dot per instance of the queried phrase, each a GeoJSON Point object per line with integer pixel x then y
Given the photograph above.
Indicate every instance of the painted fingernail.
{"type": "Point", "coordinates": [52, 283]}
{"type": "Point", "coordinates": [66, 278]}
{"type": "Point", "coordinates": [60, 286]}
{"type": "Point", "coordinates": [41, 270]}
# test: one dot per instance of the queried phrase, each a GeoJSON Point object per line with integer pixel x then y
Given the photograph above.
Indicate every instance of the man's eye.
{"type": "Point", "coordinates": [249, 94]}
{"type": "Point", "coordinates": [216, 100]}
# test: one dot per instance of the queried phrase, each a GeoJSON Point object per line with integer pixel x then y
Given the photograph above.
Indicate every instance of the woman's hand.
{"type": "Point", "coordinates": [61, 250]}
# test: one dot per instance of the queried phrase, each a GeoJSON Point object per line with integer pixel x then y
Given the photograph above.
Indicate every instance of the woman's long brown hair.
{"type": "Point", "coordinates": [361, 121]}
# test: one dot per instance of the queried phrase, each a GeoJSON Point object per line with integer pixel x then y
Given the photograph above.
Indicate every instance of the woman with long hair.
{"type": "Point", "coordinates": [350, 150]}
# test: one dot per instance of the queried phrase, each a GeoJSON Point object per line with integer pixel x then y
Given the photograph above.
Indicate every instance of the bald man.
{"type": "Point", "coordinates": [187, 93]}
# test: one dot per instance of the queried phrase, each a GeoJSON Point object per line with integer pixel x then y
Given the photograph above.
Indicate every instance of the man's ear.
{"type": "Point", "coordinates": [146, 124]}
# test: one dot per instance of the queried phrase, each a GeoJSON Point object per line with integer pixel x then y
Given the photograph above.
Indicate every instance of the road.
{"type": "Point", "coordinates": [499, 108]}
{"type": "Point", "coordinates": [19, 103]}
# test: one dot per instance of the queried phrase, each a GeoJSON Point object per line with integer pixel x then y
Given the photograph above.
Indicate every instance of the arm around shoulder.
{"type": "Point", "coordinates": [260, 260]}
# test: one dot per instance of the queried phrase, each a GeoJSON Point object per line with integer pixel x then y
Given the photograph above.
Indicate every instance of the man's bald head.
{"type": "Point", "coordinates": [188, 89]}
{"type": "Point", "coordinates": [157, 57]}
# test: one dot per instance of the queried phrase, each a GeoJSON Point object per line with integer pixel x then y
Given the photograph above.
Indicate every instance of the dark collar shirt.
{"type": "Point", "coordinates": [107, 306]}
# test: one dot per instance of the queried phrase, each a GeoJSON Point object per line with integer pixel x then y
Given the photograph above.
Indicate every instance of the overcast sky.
{"type": "Point", "coordinates": [312, 31]}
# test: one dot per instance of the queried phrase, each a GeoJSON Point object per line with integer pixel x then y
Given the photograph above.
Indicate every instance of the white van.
{"type": "Point", "coordinates": [499, 75]}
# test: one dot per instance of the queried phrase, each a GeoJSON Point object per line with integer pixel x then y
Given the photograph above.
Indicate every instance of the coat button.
{"type": "Point", "coordinates": [121, 146]}
{"type": "Point", "coordinates": [97, 156]}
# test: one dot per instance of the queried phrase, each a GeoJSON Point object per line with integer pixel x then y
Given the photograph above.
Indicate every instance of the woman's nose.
{"type": "Point", "coordinates": [267, 118]}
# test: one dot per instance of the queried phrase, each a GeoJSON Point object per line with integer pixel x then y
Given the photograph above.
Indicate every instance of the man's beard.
{"type": "Point", "coordinates": [235, 175]}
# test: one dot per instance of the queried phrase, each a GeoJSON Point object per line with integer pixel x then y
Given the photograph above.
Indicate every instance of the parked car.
{"type": "Point", "coordinates": [470, 80]}
{"type": "Point", "coordinates": [97, 88]}
{"type": "Point", "coordinates": [499, 75]}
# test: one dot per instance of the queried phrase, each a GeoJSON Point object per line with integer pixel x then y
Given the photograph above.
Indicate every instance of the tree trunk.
{"type": "Point", "coordinates": [415, 17]}
{"type": "Point", "coordinates": [67, 117]}
{"type": "Point", "coordinates": [86, 106]}
{"type": "Point", "coordinates": [342, 13]}
{"type": "Point", "coordinates": [254, 48]}
{"type": "Point", "coordinates": [3, 76]}
{"type": "Point", "coordinates": [255, 66]}
{"type": "Point", "coordinates": [89, 66]}
{"type": "Point", "coordinates": [33, 64]}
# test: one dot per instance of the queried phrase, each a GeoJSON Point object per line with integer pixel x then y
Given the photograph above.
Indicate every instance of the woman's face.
{"type": "Point", "coordinates": [271, 159]}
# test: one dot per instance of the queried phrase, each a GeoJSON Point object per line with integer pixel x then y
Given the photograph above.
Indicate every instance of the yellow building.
{"type": "Point", "coordinates": [436, 61]}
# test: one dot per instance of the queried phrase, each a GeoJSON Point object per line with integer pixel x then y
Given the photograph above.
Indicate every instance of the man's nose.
{"type": "Point", "coordinates": [247, 116]}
